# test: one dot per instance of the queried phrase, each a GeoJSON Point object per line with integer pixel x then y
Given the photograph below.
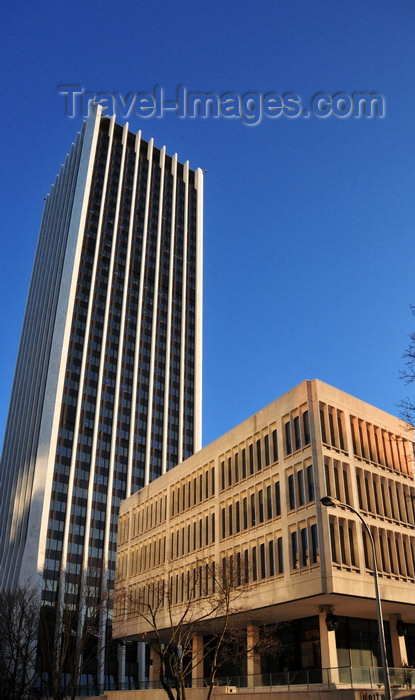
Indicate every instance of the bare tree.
{"type": "Point", "coordinates": [19, 618]}
{"type": "Point", "coordinates": [71, 635]}
{"type": "Point", "coordinates": [211, 597]}
{"type": "Point", "coordinates": [407, 406]}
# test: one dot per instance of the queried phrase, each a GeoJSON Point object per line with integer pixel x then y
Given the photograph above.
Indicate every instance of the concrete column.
{"type": "Point", "coordinates": [253, 662]}
{"type": "Point", "coordinates": [154, 671]}
{"type": "Point", "coordinates": [328, 648]}
{"type": "Point", "coordinates": [121, 666]}
{"type": "Point", "coordinates": [399, 653]}
{"type": "Point", "coordinates": [141, 661]}
{"type": "Point", "coordinates": [197, 661]}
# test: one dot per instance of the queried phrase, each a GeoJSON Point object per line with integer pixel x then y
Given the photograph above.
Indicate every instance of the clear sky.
{"type": "Point", "coordinates": [309, 221]}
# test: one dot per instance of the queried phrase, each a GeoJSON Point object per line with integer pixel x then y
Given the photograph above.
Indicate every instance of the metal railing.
{"type": "Point", "coordinates": [343, 677]}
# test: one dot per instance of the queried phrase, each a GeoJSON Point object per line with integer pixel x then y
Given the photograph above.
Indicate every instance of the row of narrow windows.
{"type": "Point", "coordinates": [300, 486]}
{"type": "Point", "coordinates": [193, 536]}
{"type": "Point", "coordinates": [249, 459]}
{"type": "Point", "coordinates": [385, 497]}
{"type": "Point", "coordinates": [381, 447]}
{"type": "Point", "coordinates": [377, 494]}
{"type": "Point", "coordinates": [194, 582]}
{"type": "Point", "coordinates": [304, 546]}
{"type": "Point", "coordinates": [337, 476]}
{"type": "Point", "coordinates": [395, 553]}
{"type": "Point", "coordinates": [333, 429]}
{"type": "Point", "coordinates": [147, 556]}
{"type": "Point", "coordinates": [257, 562]}
{"type": "Point", "coordinates": [251, 510]}
{"type": "Point", "coordinates": [192, 491]}
{"type": "Point", "coordinates": [297, 432]}
{"type": "Point", "coordinates": [143, 518]}
{"type": "Point", "coordinates": [370, 442]}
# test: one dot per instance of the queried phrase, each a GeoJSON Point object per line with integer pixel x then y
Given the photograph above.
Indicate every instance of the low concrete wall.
{"type": "Point", "coordinates": [270, 694]}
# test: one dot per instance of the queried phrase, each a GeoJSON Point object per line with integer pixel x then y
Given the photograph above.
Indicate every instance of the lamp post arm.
{"type": "Point", "coordinates": [382, 642]}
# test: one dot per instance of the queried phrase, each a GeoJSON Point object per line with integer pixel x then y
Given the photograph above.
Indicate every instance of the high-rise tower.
{"type": "Point", "coordinates": [107, 389]}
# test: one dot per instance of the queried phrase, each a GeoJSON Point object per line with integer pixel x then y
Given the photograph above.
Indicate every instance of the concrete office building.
{"type": "Point", "coordinates": [107, 388]}
{"type": "Point", "coordinates": [252, 499]}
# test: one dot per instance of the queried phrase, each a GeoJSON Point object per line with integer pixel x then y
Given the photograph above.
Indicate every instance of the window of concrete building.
{"type": "Point", "coordinates": [271, 561]}
{"type": "Point", "coordinates": [200, 488]}
{"type": "Point", "coordinates": [277, 498]}
{"type": "Point", "coordinates": [331, 427]}
{"type": "Point", "coordinates": [306, 428]}
{"type": "Point", "coordinates": [258, 455]}
{"type": "Point", "coordinates": [251, 459]}
{"type": "Point", "coordinates": [310, 482]}
{"type": "Point", "coordinates": [269, 502]}
{"type": "Point", "coordinates": [300, 486]}
{"type": "Point", "coordinates": [297, 435]}
{"type": "Point", "coordinates": [336, 481]}
{"type": "Point", "coordinates": [368, 495]}
{"type": "Point", "coordinates": [304, 546]}
{"type": "Point", "coordinates": [261, 506]}
{"type": "Point", "coordinates": [367, 549]}
{"type": "Point", "coordinates": [243, 455]}
{"type": "Point", "coordinates": [222, 474]}
{"type": "Point", "coordinates": [391, 554]}
{"type": "Point", "coordinates": [333, 542]}
{"type": "Point", "coordinates": [254, 564]}
{"type": "Point", "coordinates": [245, 512]}
{"type": "Point", "coordinates": [229, 471]}
{"type": "Point", "coordinates": [275, 445]}
{"type": "Point", "coordinates": [253, 510]}
{"type": "Point", "coordinates": [231, 519]}
{"type": "Point", "coordinates": [280, 552]}
{"type": "Point", "coordinates": [262, 560]}
{"type": "Point", "coordinates": [246, 566]}
{"type": "Point", "coordinates": [291, 492]}
{"type": "Point", "coordinates": [238, 569]}
{"type": "Point", "coordinates": [351, 534]}
{"type": "Point", "coordinates": [327, 476]}
{"type": "Point", "coordinates": [200, 533]}
{"type": "Point", "coordinates": [314, 544]}
{"type": "Point", "coordinates": [288, 443]}
{"type": "Point", "coordinates": [266, 450]}
{"type": "Point", "coordinates": [223, 514]}
{"type": "Point", "coordinates": [236, 459]}
{"type": "Point", "coordinates": [294, 550]}
{"type": "Point", "coordinates": [323, 426]}
{"type": "Point", "coordinates": [342, 543]}
{"type": "Point", "coordinates": [237, 516]}
{"type": "Point", "coordinates": [346, 484]}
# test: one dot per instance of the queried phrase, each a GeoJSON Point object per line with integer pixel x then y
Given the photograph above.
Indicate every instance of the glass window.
{"type": "Point", "coordinates": [294, 550]}
{"type": "Point", "coordinates": [297, 436]}
{"type": "Point", "coordinates": [310, 483]}
{"type": "Point", "coordinates": [314, 544]}
{"type": "Point", "coordinates": [291, 492]}
{"type": "Point", "coordinates": [306, 428]}
{"type": "Point", "coordinates": [271, 558]}
{"type": "Point", "coordinates": [300, 484]}
{"type": "Point", "coordinates": [288, 445]}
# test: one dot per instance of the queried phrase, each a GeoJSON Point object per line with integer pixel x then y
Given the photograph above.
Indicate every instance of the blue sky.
{"type": "Point", "coordinates": [309, 222]}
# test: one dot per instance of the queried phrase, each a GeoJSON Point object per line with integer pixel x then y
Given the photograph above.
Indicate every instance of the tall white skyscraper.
{"type": "Point", "coordinates": [107, 389]}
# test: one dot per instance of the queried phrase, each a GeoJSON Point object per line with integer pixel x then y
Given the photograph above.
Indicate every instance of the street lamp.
{"type": "Point", "coordinates": [329, 501]}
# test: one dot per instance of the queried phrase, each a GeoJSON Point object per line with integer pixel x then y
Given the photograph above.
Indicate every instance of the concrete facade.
{"type": "Point", "coordinates": [252, 498]}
